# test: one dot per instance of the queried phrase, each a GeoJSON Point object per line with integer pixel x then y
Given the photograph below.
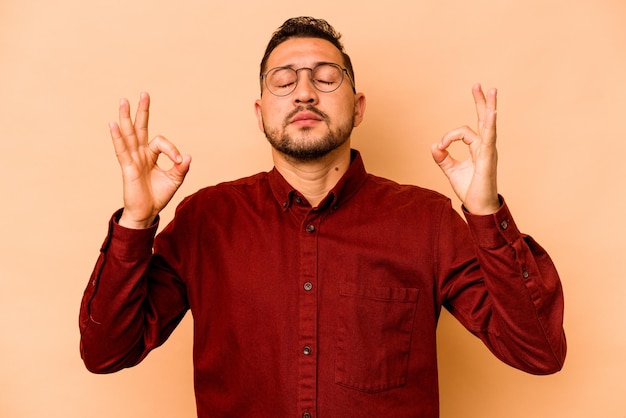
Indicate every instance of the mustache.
{"type": "Point", "coordinates": [309, 108]}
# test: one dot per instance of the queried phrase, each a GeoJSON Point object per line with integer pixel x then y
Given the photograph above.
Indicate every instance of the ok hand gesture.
{"type": "Point", "coordinates": [147, 187]}
{"type": "Point", "coordinates": [474, 179]}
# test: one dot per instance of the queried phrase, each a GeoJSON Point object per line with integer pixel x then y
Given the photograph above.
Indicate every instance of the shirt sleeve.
{"type": "Point", "coordinates": [131, 303]}
{"type": "Point", "coordinates": [510, 296]}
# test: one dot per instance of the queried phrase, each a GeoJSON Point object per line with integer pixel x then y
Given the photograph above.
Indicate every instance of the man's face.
{"type": "Point", "coordinates": [308, 124]}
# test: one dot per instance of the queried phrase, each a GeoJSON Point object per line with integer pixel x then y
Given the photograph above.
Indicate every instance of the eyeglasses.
{"type": "Point", "coordinates": [325, 77]}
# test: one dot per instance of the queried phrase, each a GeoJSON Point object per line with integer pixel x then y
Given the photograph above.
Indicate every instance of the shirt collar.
{"type": "Point", "coordinates": [349, 184]}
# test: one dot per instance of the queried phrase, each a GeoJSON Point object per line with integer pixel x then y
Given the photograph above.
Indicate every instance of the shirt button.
{"type": "Point", "coordinates": [310, 228]}
{"type": "Point", "coordinates": [306, 415]}
{"type": "Point", "coordinates": [306, 350]}
{"type": "Point", "coordinates": [525, 274]}
{"type": "Point", "coordinates": [298, 199]}
{"type": "Point", "coordinates": [308, 286]}
{"type": "Point", "coordinates": [504, 224]}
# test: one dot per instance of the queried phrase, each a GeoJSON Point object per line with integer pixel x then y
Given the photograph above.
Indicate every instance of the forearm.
{"type": "Point", "coordinates": [124, 313]}
{"type": "Point", "coordinates": [111, 318]}
{"type": "Point", "coordinates": [525, 294]}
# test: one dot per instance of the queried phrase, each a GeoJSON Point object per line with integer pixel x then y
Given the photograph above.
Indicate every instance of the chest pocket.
{"type": "Point", "coordinates": [374, 336]}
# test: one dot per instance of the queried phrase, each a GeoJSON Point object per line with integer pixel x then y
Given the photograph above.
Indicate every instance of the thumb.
{"type": "Point", "coordinates": [180, 168]}
{"type": "Point", "coordinates": [439, 155]}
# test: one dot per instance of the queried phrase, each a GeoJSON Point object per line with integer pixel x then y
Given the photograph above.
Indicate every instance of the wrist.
{"type": "Point", "coordinates": [130, 223]}
{"type": "Point", "coordinates": [483, 208]}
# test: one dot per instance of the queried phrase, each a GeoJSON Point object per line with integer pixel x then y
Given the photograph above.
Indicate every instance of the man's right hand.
{"type": "Point", "coordinates": [147, 187]}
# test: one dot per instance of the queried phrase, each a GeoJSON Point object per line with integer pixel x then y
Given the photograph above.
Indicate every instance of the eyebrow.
{"type": "Point", "coordinates": [292, 66]}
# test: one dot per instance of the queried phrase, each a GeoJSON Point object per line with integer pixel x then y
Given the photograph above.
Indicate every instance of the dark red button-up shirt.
{"type": "Point", "coordinates": [324, 312]}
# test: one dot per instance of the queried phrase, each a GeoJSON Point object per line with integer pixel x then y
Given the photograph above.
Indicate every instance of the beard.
{"type": "Point", "coordinates": [305, 147]}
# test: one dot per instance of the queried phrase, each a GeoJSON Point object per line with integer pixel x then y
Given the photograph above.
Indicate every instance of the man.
{"type": "Point", "coordinates": [316, 288]}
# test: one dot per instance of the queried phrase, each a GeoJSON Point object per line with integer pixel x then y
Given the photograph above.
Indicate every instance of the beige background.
{"type": "Point", "coordinates": [560, 68]}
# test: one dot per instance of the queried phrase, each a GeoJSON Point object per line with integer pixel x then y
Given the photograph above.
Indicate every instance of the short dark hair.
{"type": "Point", "coordinates": [306, 27]}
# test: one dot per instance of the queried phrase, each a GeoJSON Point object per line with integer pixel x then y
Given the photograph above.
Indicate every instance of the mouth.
{"type": "Point", "coordinates": [305, 118]}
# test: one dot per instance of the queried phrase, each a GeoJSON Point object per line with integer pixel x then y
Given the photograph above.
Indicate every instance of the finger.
{"type": "Point", "coordinates": [464, 134]}
{"type": "Point", "coordinates": [489, 132]}
{"type": "Point", "coordinates": [141, 118]}
{"type": "Point", "coordinates": [492, 105]}
{"type": "Point", "coordinates": [119, 144]}
{"type": "Point", "coordinates": [127, 128]}
{"type": "Point", "coordinates": [480, 102]}
{"type": "Point", "coordinates": [492, 99]}
{"type": "Point", "coordinates": [161, 145]}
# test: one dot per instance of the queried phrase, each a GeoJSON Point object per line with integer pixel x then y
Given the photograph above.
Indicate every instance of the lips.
{"type": "Point", "coordinates": [305, 117]}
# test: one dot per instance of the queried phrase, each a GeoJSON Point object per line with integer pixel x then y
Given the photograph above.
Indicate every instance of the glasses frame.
{"type": "Point", "coordinates": [295, 86]}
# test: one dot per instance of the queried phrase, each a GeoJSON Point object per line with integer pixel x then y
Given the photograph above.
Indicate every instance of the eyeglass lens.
{"type": "Point", "coordinates": [282, 81]}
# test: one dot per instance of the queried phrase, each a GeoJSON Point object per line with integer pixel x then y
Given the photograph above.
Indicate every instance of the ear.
{"type": "Point", "coordinates": [259, 114]}
{"type": "Point", "coordinates": [359, 108]}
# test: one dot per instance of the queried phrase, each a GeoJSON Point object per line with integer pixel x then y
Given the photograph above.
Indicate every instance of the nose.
{"type": "Point", "coordinates": [305, 91]}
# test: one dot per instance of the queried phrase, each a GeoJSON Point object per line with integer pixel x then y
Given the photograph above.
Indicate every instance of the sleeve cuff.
{"type": "Point", "coordinates": [495, 230]}
{"type": "Point", "coordinates": [126, 243]}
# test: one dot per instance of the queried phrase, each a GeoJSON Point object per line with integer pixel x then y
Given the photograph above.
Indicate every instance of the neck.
{"type": "Point", "coordinates": [314, 179]}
